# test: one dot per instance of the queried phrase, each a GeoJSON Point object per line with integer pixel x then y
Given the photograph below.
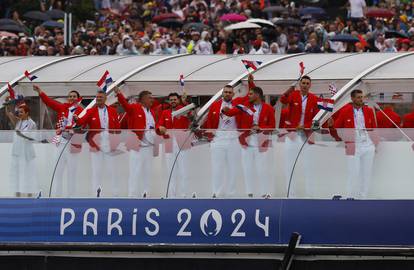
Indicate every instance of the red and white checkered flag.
{"type": "Point", "coordinates": [332, 89]}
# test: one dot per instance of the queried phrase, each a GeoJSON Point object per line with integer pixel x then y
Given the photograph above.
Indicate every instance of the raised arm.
{"type": "Point", "coordinates": [122, 100]}
{"type": "Point", "coordinates": [51, 103]}
{"type": "Point", "coordinates": [12, 117]}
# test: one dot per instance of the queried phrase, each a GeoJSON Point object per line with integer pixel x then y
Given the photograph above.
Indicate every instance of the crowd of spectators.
{"type": "Point", "coordinates": [128, 27]}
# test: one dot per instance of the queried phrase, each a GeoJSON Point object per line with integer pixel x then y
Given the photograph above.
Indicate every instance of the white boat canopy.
{"type": "Point", "coordinates": [206, 75]}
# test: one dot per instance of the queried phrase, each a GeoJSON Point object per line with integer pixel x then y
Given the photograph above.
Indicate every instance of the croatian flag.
{"type": "Point", "coordinates": [104, 81]}
{"type": "Point", "coordinates": [245, 109]}
{"type": "Point", "coordinates": [182, 80]}
{"type": "Point", "coordinates": [301, 69]}
{"type": "Point", "coordinates": [12, 93]}
{"type": "Point", "coordinates": [251, 65]}
{"type": "Point", "coordinates": [326, 104]}
{"type": "Point", "coordinates": [30, 76]}
{"type": "Point", "coordinates": [332, 89]}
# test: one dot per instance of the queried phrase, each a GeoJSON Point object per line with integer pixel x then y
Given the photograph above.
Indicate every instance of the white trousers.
{"type": "Point", "coordinates": [68, 161]}
{"type": "Point", "coordinates": [140, 171]}
{"type": "Point", "coordinates": [23, 175]}
{"type": "Point", "coordinates": [224, 158]}
{"type": "Point", "coordinates": [360, 171]}
{"type": "Point", "coordinates": [103, 164]}
{"type": "Point", "coordinates": [256, 169]}
{"type": "Point", "coordinates": [177, 167]}
{"type": "Point", "coordinates": [293, 144]}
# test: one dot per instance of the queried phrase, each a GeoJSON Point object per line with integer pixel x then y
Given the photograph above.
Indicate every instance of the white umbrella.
{"type": "Point", "coordinates": [261, 22]}
{"type": "Point", "coordinates": [242, 25]}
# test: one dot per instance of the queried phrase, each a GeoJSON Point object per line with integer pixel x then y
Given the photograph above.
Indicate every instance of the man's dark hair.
{"type": "Point", "coordinates": [355, 92]}
{"type": "Point", "coordinates": [101, 92]}
{"type": "Point", "coordinates": [258, 91]}
{"type": "Point", "coordinates": [142, 94]}
{"type": "Point", "coordinates": [76, 92]}
{"type": "Point", "coordinates": [228, 86]}
{"type": "Point", "coordinates": [306, 77]}
{"type": "Point", "coordinates": [174, 94]}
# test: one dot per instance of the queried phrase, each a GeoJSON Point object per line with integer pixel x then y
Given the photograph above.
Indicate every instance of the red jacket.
{"type": "Point", "coordinates": [384, 122]}
{"type": "Point", "coordinates": [178, 127]}
{"type": "Point", "coordinates": [408, 120]}
{"type": "Point", "coordinates": [91, 119]}
{"type": "Point", "coordinates": [62, 110]}
{"type": "Point", "coordinates": [213, 117]}
{"type": "Point", "coordinates": [345, 121]}
{"type": "Point", "coordinates": [136, 122]}
{"type": "Point", "coordinates": [245, 123]}
{"type": "Point", "coordinates": [294, 100]}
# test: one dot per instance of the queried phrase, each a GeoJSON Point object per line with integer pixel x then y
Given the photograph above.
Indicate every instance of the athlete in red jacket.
{"type": "Point", "coordinates": [64, 115]}
{"type": "Point", "coordinates": [303, 105]}
{"type": "Point", "coordinates": [256, 119]}
{"type": "Point", "coordinates": [102, 121]}
{"type": "Point", "coordinates": [408, 120]}
{"type": "Point", "coordinates": [356, 123]}
{"type": "Point", "coordinates": [384, 122]}
{"type": "Point", "coordinates": [176, 136]}
{"type": "Point", "coordinates": [140, 142]}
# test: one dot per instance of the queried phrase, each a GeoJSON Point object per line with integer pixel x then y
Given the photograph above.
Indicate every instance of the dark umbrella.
{"type": "Point", "coordinates": [288, 22]}
{"type": "Point", "coordinates": [36, 15]}
{"type": "Point", "coordinates": [52, 24]}
{"type": "Point", "coordinates": [278, 9]}
{"type": "Point", "coordinates": [345, 38]}
{"type": "Point", "coordinates": [380, 13]}
{"type": "Point", "coordinates": [171, 23]}
{"type": "Point", "coordinates": [196, 26]}
{"type": "Point", "coordinates": [165, 16]}
{"type": "Point", "coordinates": [8, 21]}
{"type": "Point", "coordinates": [56, 14]}
{"type": "Point", "coordinates": [12, 28]}
{"type": "Point", "coordinates": [312, 11]}
{"type": "Point", "coordinates": [395, 34]}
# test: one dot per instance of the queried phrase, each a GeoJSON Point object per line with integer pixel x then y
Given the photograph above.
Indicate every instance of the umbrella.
{"type": "Point", "coordinates": [312, 11]}
{"type": "Point", "coordinates": [242, 25]}
{"type": "Point", "coordinates": [52, 24]}
{"type": "Point", "coordinates": [199, 27]}
{"type": "Point", "coordinates": [36, 15]}
{"type": "Point", "coordinates": [12, 28]}
{"type": "Point", "coordinates": [344, 38]}
{"type": "Point", "coordinates": [395, 34]}
{"type": "Point", "coordinates": [261, 22]}
{"type": "Point", "coordinates": [8, 21]}
{"type": "Point", "coordinates": [278, 9]}
{"type": "Point", "coordinates": [380, 13]}
{"type": "Point", "coordinates": [288, 22]}
{"type": "Point", "coordinates": [165, 16]}
{"type": "Point", "coordinates": [233, 17]}
{"type": "Point", "coordinates": [56, 14]}
{"type": "Point", "coordinates": [7, 34]}
{"type": "Point", "coordinates": [171, 23]}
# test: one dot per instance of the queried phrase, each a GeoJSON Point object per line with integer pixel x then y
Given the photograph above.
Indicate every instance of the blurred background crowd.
{"type": "Point", "coordinates": [161, 27]}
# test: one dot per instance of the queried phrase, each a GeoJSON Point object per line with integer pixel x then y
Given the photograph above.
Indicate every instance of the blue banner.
{"type": "Point", "coordinates": [199, 221]}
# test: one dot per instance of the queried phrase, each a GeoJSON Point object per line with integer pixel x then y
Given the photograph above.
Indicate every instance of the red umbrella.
{"type": "Point", "coordinates": [7, 34]}
{"type": "Point", "coordinates": [165, 16]}
{"type": "Point", "coordinates": [380, 13]}
{"type": "Point", "coordinates": [233, 17]}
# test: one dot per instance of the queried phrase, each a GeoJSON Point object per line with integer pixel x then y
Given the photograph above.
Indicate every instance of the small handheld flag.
{"type": "Point", "coordinates": [11, 91]}
{"type": "Point", "coordinates": [30, 76]}
{"type": "Point", "coordinates": [301, 69]}
{"type": "Point", "coordinates": [332, 89]}
{"type": "Point", "coordinates": [251, 65]}
{"type": "Point", "coordinates": [326, 104]}
{"type": "Point", "coordinates": [245, 109]}
{"type": "Point", "coordinates": [104, 81]}
{"type": "Point", "coordinates": [181, 80]}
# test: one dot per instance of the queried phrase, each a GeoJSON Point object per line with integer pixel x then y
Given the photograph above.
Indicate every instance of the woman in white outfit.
{"type": "Point", "coordinates": [23, 180]}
